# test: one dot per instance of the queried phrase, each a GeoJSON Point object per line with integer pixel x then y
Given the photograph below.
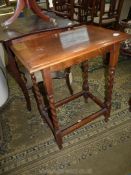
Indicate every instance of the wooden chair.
{"type": "Point", "coordinates": [7, 2]}
{"type": "Point", "coordinates": [84, 10]}
{"type": "Point", "coordinates": [64, 8]}
{"type": "Point", "coordinates": [107, 12]}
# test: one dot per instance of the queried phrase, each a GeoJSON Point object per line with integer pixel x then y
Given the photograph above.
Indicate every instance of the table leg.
{"type": "Point", "coordinates": [110, 79]}
{"type": "Point", "coordinates": [19, 8]}
{"type": "Point", "coordinates": [13, 70]}
{"type": "Point", "coordinates": [85, 85]}
{"type": "Point", "coordinates": [111, 74]}
{"type": "Point", "coordinates": [40, 103]}
{"type": "Point", "coordinates": [38, 97]}
{"type": "Point", "coordinates": [49, 88]}
{"type": "Point", "coordinates": [36, 9]}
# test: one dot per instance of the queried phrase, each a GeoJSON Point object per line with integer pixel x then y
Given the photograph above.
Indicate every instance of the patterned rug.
{"type": "Point", "coordinates": [29, 147]}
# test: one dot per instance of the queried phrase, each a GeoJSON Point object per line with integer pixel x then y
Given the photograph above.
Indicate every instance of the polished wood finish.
{"type": "Point", "coordinates": [46, 52]}
{"type": "Point", "coordinates": [21, 4]}
{"type": "Point", "coordinates": [55, 55]}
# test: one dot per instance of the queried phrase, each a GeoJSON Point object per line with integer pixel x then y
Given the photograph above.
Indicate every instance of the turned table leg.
{"type": "Point", "coordinates": [111, 73]}
{"type": "Point", "coordinates": [85, 85]}
{"type": "Point", "coordinates": [49, 88]}
{"type": "Point", "coordinates": [38, 96]}
{"type": "Point", "coordinates": [13, 70]}
{"type": "Point", "coordinates": [40, 103]}
{"type": "Point", "coordinates": [110, 78]}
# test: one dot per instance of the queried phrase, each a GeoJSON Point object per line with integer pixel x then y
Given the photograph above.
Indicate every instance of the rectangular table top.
{"type": "Point", "coordinates": [47, 50]}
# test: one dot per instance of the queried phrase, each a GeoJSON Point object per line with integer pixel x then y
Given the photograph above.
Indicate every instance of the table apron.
{"type": "Point", "coordinates": [79, 59]}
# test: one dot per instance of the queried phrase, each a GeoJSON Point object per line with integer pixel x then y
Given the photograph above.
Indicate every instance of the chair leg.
{"type": "Point", "coordinates": [68, 82]}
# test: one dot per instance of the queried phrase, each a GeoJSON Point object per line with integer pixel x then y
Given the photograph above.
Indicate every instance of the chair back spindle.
{"type": "Point", "coordinates": [84, 10]}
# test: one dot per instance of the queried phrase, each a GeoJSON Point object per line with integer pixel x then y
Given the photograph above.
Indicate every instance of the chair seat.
{"type": "Point", "coordinates": [107, 13]}
{"type": "Point", "coordinates": [105, 17]}
{"type": "Point", "coordinates": [104, 21]}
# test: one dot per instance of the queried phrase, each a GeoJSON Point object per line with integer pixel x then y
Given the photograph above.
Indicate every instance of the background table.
{"type": "Point", "coordinates": [21, 4]}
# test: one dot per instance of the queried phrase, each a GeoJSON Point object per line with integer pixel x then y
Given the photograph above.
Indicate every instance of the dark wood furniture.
{"type": "Point", "coordinates": [84, 10]}
{"type": "Point", "coordinates": [21, 4]}
{"type": "Point", "coordinates": [58, 54]}
{"type": "Point", "coordinates": [107, 13]}
{"type": "Point", "coordinates": [7, 2]}
{"type": "Point", "coordinates": [64, 8]}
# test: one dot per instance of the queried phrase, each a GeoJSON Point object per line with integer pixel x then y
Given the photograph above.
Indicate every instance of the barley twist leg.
{"type": "Point", "coordinates": [85, 85]}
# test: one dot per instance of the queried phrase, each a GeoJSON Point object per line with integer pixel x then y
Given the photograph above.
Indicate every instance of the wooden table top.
{"type": "Point", "coordinates": [56, 50]}
{"type": "Point", "coordinates": [30, 23]}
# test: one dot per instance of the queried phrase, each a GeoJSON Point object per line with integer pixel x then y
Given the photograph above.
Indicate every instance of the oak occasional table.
{"type": "Point", "coordinates": [59, 49]}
